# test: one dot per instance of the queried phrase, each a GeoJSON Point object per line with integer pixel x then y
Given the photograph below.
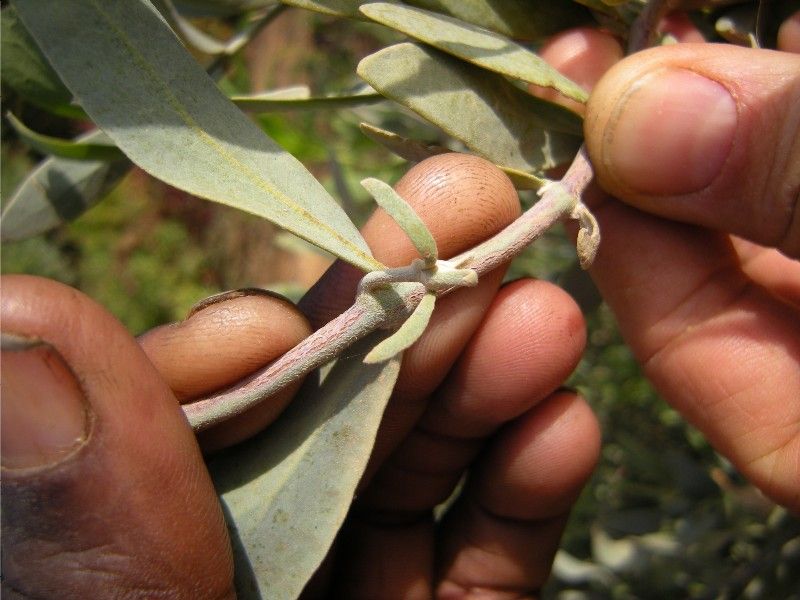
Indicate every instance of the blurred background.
{"type": "Point", "coordinates": [663, 517]}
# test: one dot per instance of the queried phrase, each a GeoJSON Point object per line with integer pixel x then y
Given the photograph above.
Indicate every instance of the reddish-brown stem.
{"type": "Point", "coordinates": [388, 307]}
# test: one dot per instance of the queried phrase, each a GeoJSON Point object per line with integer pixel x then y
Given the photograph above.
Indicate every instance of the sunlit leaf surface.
{"type": "Point", "coordinates": [271, 102]}
{"type": "Point", "coordinates": [137, 82]}
{"type": "Point", "coordinates": [339, 8]}
{"type": "Point", "coordinates": [25, 70]}
{"type": "Point", "coordinates": [405, 216]}
{"type": "Point", "coordinates": [474, 44]}
{"type": "Point", "coordinates": [416, 151]}
{"type": "Point", "coordinates": [518, 19]}
{"type": "Point", "coordinates": [59, 190]}
{"type": "Point", "coordinates": [287, 491]}
{"type": "Point", "coordinates": [491, 116]}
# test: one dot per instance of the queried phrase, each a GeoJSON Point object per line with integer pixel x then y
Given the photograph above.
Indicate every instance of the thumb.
{"type": "Point", "coordinates": [104, 492]}
{"type": "Point", "coordinates": [706, 134]}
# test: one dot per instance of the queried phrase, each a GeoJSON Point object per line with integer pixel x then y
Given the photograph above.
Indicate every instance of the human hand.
{"type": "Point", "coordinates": [130, 507]}
{"type": "Point", "coordinates": [699, 260]}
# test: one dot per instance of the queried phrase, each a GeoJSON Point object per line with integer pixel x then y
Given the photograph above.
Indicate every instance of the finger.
{"type": "Point", "coordinates": [93, 443]}
{"type": "Point", "coordinates": [723, 350]}
{"type": "Point", "coordinates": [770, 269]}
{"type": "Point", "coordinates": [583, 54]}
{"type": "Point", "coordinates": [789, 34]}
{"type": "Point", "coordinates": [531, 338]}
{"type": "Point", "coordinates": [223, 340]}
{"type": "Point", "coordinates": [678, 25]}
{"type": "Point", "coordinates": [529, 342]}
{"type": "Point", "coordinates": [501, 537]}
{"type": "Point", "coordinates": [463, 200]}
{"type": "Point", "coordinates": [706, 134]}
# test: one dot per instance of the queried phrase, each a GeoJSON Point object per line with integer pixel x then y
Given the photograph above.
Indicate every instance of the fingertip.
{"type": "Point", "coordinates": [583, 54]}
{"type": "Point", "coordinates": [678, 25]}
{"type": "Point", "coordinates": [548, 454]}
{"type": "Point", "coordinates": [659, 129]}
{"type": "Point", "coordinates": [461, 198]}
{"type": "Point", "coordinates": [475, 198]}
{"type": "Point", "coordinates": [223, 340]}
{"type": "Point", "coordinates": [96, 505]}
{"type": "Point", "coordinates": [528, 343]}
{"type": "Point", "coordinates": [704, 134]}
{"type": "Point", "coordinates": [789, 34]}
{"type": "Point", "coordinates": [502, 533]}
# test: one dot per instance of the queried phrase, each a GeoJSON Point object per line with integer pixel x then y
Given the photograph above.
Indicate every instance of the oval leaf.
{"type": "Point", "coordinates": [474, 44]}
{"type": "Point", "coordinates": [405, 216]}
{"type": "Point", "coordinates": [408, 333]}
{"type": "Point", "coordinates": [287, 491]}
{"type": "Point", "coordinates": [75, 150]}
{"type": "Point", "coordinates": [405, 148]}
{"type": "Point", "coordinates": [137, 82]}
{"type": "Point", "coordinates": [26, 70]}
{"type": "Point", "coordinates": [338, 8]}
{"type": "Point", "coordinates": [270, 103]}
{"type": "Point", "coordinates": [415, 151]}
{"type": "Point", "coordinates": [519, 19]}
{"type": "Point", "coordinates": [59, 190]}
{"type": "Point", "coordinates": [486, 112]}
{"type": "Point", "coordinates": [197, 38]}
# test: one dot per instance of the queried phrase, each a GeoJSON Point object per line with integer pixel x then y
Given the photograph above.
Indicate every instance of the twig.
{"type": "Point", "coordinates": [645, 28]}
{"type": "Point", "coordinates": [387, 307]}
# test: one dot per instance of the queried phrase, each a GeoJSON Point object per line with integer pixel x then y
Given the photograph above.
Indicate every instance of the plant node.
{"type": "Point", "coordinates": [438, 277]}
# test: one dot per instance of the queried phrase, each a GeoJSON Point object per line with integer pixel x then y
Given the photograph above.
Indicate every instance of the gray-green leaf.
{"type": "Point", "coordinates": [405, 148]}
{"type": "Point", "coordinates": [416, 151]}
{"type": "Point", "coordinates": [137, 82]}
{"type": "Point", "coordinates": [486, 112]}
{"type": "Point", "coordinates": [199, 39]}
{"type": "Point", "coordinates": [287, 491]}
{"type": "Point", "coordinates": [270, 103]}
{"type": "Point", "coordinates": [76, 150]}
{"type": "Point", "coordinates": [405, 216]}
{"type": "Point", "coordinates": [337, 8]}
{"type": "Point", "coordinates": [474, 44]}
{"type": "Point", "coordinates": [408, 333]}
{"type": "Point", "coordinates": [519, 19]}
{"type": "Point", "coordinates": [59, 190]}
{"type": "Point", "coordinates": [25, 70]}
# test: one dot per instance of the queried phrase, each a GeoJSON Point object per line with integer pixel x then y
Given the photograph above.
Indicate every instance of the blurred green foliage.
{"type": "Point", "coordinates": [663, 516]}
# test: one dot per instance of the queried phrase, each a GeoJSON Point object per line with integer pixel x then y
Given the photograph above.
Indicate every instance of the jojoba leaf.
{"type": "Point", "coordinates": [140, 85]}
{"type": "Point", "coordinates": [474, 44]}
{"type": "Point", "coordinates": [405, 148]}
{"type": "Point", "coordinates": [490, 115]}
{"type": "Point", "coordinates": [519, 19]}
{"type": "Point", "coordinates": [59, 190]}
{"type": "Point", "coordinates": [76, 150]}
{"type": "Point", "coordinates": [416, 151]}
{"type": "Point", "coordinates": [337, 8]}
{"type": "Point", "coordinates": [197, 38]}
{"type": "Point", "coordinates": [408, 333]}
{"type": "Point", "coordinates": [402, 214]}
{"type": "Point", "coordinates": [287, 491]}
{"type": "Point", "coordinates": [738, 26]}
{"type": "Point", "coordinates": [270, 103]}
{"type": "Point", "coordinates": [25, 70]}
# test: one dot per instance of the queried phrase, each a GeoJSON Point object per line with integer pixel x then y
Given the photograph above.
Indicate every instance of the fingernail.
{"type": "Point", "coordinates": [45, 415]}
{"type": "Point", "coordinates": [671, 133]}
{"type": "Point", "coordinates": [231, 294]}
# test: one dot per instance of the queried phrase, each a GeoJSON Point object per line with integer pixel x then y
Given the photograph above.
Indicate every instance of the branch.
{"type": "Point", "coordinates": [387, 307]}
{"type": "Point", "coordinates": [645, 28]}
